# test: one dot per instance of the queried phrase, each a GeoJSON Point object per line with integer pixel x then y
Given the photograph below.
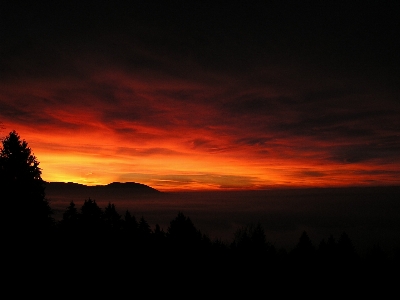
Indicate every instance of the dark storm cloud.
{"type": "Point", "coordinates": [377, 172]}
{"type": "Point", "coordinates": [30, 111]}
{"type": "Point", "coordinates": [135, 111]}
{"type": "Point", "coordinates": [181, 40]}
{"type": "Point", "coordinates": [253, 141]}
{"type": "Point", "coordinates": [251, 104]}
{"type": "Point", "coordinates": [207, 145]}
{"type": "Point", "coordinates": [218, 36]}
{"type": "Point", "coordinates": [310, 173]}
{"type": "Point", "coordinates": [385, 149]}
{"type": "Point", "coordinates": [332, 125]}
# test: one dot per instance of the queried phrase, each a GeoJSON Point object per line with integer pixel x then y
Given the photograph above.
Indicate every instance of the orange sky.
{"type": "Point", "coordinates": [188, 107]}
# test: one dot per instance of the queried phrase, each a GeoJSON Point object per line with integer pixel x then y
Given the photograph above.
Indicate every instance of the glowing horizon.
{"type": "Point", "coordinates": [174, 145]}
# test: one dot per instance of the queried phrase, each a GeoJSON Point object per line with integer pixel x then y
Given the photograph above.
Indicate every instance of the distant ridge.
{"type": "Point", "coordinates": [133, 186]}
{"type": "Point", "coordinates": [128, 185]}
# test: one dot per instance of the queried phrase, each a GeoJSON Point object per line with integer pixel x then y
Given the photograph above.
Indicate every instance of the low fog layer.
{"type": "Point", "coordinates": [370, 216]}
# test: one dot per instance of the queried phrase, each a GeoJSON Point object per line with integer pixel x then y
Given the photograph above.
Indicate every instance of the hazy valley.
{"type": "Point", "coordinates": [370, 216]}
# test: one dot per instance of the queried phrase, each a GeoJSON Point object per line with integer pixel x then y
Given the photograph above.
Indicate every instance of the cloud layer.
{"type": "Point", "coordinates": [196, 99]}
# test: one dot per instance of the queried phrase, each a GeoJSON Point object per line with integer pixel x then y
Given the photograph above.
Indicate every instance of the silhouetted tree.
{"type": "Point", "coordinates": [331, 244]}
{"type": "Point", "coordinates": [327, 251]}
{"type": "Point", "coordinates": [71, 214]}
{"type": "Point", "coordinates": [185, 246]}
{"type": "Point", "coordinates": [158, 232]}
{"type": "Point", "coordinates": [250, 238]}
{"type": "Point", "coordinates": [346, 249]}
{"type": "Point", "coordinates": [70, 219]}
{"type": "Point", "coordinates": [90, 210]}
{"type": "Point", "coordinates": [159, 237]}
{"type": "Point", "coordinates": [182, 231]}
{"type": "Point", "coordinates": [144, 229]}
{"type": "Point", "coordinates": [91, 215]}
{"type": "Point", "coordinates": [22, 187]}
{"type": "Point", "coordinates": [70, 233]}
{"type": "Point", "coordinates": [250, 249]}
{"type": "Point", "coordinates": [305, 245]}
{"type": "Point", "coordinates": [304, 252]}
{"type": "Point", "coordinates": [112, 218]}
{"type": "Point", "coordinates": [130, 225]}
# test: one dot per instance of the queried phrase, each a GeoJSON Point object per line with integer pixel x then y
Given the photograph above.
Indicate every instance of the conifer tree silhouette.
{"type": "Point", "coordinates": [71, 214]}
{"type": "Point", "coordinates": [304, 252]}
{"type": "Point", "coordinates": [22, 187]}
{"type": "Point", "coordinates": [70, 220]}
{"type": "Point", "coordinates": [130, 225]}
{"type": "Point", "coordinates": [250, 238]}
{"type": "Point", "coordinates": [91, 218]}
{"type": "Point", "coordinates": [144, 228]}
{"type": "Point", "coordinates": [112, 218]}
{"type": "Point", "coordinates": [182, 231]}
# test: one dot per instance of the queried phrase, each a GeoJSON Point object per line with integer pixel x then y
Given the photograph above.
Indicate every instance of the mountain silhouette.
{"type": "Point", "coordinates": [129, 185]}
{"type": "Point", "coordinates": [60, 194]}
{"type": "Point", "coordinates": [132, 186]}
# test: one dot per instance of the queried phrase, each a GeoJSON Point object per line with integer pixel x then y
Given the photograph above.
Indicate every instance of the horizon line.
{"type": "Point", "coordinates": [227, 189]}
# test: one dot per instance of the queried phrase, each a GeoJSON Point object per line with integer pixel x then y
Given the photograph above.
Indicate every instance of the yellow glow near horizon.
{"type": "Point", "coordinates": [175, 135]}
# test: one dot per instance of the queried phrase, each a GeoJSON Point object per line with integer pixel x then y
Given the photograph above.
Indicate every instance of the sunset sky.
{"type": "Point", "coordinates": [205, 96]}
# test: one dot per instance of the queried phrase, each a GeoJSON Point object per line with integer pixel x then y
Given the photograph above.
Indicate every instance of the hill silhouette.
{"type": "Point", "coordinates": [133, 187]}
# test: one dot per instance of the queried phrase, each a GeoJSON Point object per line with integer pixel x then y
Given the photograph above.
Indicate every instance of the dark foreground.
{"type": "Point", "coordinates": [99, 244]}
{"type": "Point", "coordinates": [370, 216]}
